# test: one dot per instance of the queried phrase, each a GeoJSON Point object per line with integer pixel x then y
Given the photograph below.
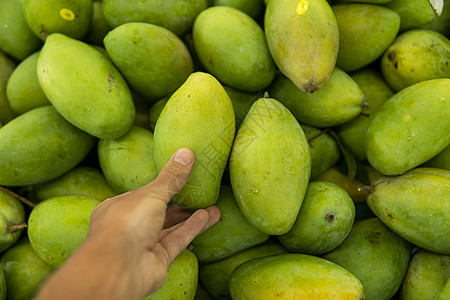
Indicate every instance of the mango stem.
{"type": "Point", "coordinates": [318, 135]}
{"type": "Point", "coordinates": [18, 197]}
{"type": "Point", "coordinates": [366, 188]}
{"type": "Point", "coordinates": [14, 228]}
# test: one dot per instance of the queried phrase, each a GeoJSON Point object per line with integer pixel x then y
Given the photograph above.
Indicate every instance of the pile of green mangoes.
{"type": "Point", "coordinates": [321, 130]}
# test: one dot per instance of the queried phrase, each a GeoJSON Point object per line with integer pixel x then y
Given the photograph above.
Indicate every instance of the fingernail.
{"type": "Point", "coordinates": [183, 156]}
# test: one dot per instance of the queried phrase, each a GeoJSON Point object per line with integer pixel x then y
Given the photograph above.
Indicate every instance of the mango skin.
{"type": "Point", "coordinates": [293, 276]}
{"type": "Point", "coordinates": [376, 256]}
{"type": "Point", "coordinates": [215, 276]}
{"type": "Point", "coordinates": [127, 162]}
{"type": "Point", "coordinates": [40, 133]}
{"type": "Point", "coordinates": [6, 69]}
{"type": "Point", "coordinates": [415, 206]}
{"type": "Point", "coordinates": [232, 234]}
{"type": "Point", "coordinates": [98, 27]}
{"type": "Point", "coordinates": [23, 89]}
{"type": "Point", "coordinates": [403, 132]}
{"type": "Point", "coordinates": [444, 293]}
{"type": "Point", "coordinates": [357, 48]}
{"type": "Point", "coordinates": [253, 8]}
{"type": "Point", "coordinates": [338, 102]}
{"type": "Point", "coordinates": [413, 13]}
{"type": "Point", "coordinates": [441, 161]}
{"type": "Point", "coordinates": [304, 47]}
{"type": "Point", "coordinates": [324, 220]}
{"type": "Point", "coordinates": [154, 61]}
{"type": "Point", "coordinates": [242, 102]}
{"type": "Point", "coordinates": [426, 276]}
{"type": "Point", "coordinates": [24, 271]}
{"type": "Point", "coordinates": [175, 15]}
{"type": "Point", "coordinates": [155, 111]}
{"type": "Point", "coordinates": [11, 213]}
{"type": "Point", "coordinates": [200, 100]}
{"type": "Point", "coordinates": [441, 23]}
{"type": "Point", "coordinates": [85, 87]}
{"type": "Point", "coordinates": [217, 31]}
{"type": "Point", "coordinates": [415, 56]}
{"type": "Point", "coordinates": [2, 285]}
{"type": "Point", "coordinates": [57, 226]}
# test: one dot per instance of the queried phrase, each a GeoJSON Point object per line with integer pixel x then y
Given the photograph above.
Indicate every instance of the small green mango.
{"type": "Point", "coordinates": [230, 235]}
{"type": "Point", "coordinates": [293, 277]}
{"type": "Point", "coordinates": [324, 150]}
{"type": "Point", "coordinates": [12, 216]}
{"type": "Point", "coordinates": [415, 206]}
{"type": "Point", "coordinates": [413, 13]}
{"type": "Point", "coordinates": [242, 102]}
{"type": "Point", "coordinates": [39, 146]}
{"type": "Point", "coordinates": [24, 271]}
{"type": "Point", "coordinates": [2, 285]}
{"type": "Point", "coordinates": [270, 166]}
{"type": "Point", "coordinates": [324, 220]}
{"type": "Point", "coordinates": [376, 90]}
{"type": "Point", "coordinates": [253, 8]}
{"type": "Point", "coordinates": [426, 276]}
{"type": "Point", "coordinates": [98, 27]}
{"type": "Point", "coordinates": [23, 89]}
{"type": "Point", "coordinates": [6, 69]}
{"type": "Point", "coordinates": [215, 276]}
{"type": "Point", "coordinates": [69, 17]}
{"type": "Point", "coordinates": [201, 100]}
{"type": "Point", "coordinates": [16, 38]}
{"type": "Point", "coordinates": [303, 38]}
{"type": "Point", "coordinates": [403, 133]}
{"type": "Point", "coordinates": [57, 226]}
{"type": "Point", "coordinates": [175, 15]}
{"type": "Point", "coordinates": [217, 31]}
{"type": "Point", "coordinates": [365, 32]}
{"type": "Point", "coordinates": [340, 101]}
{"type": "Point", "coordinates": [155, 111]}
{"type": "Point", "coordinates": [441, 161]}
{"type": "Point", "coordinates": [154, 61]}
{"type": "Point", "coordinates": [182, 278]}
{"type": "Point", "coordinates": [85, 181]}
{"type": "Point", "coordinates": [415, 56]}
{"type": "Point", "coordinates": [376, 256]}
{"type": "Point", "coordinates": [85, 87]}
{"type": "Point", "coordinates": [444, 293]}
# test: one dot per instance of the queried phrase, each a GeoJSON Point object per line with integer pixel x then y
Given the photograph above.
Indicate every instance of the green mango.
{"type": "Point", "coordinates": [353, 133]}
{"type": "Point", "coordinates": [84, 181]}
{"type": "Point", "coordinates": [270, 171]}
{"type": "Point", "coordinates": [57, 226]}
{"type": "Point", "coordinates": [154, 61]}
{"type": "Point", "coordinates": [441, 23]}
{"type": "Point", "coordinates": [216, 275]}
{"type": "Point", "coordinates": [365, 32]}
{"type": "Point", "coordinates": [444, 293]}
{"type": "Point", "coordinates": [233, 48]}
{"type": "Point", "coordinates": [415, 206]}
{"type": "Point", "coordinates": [242, 102]}
{"type": "Point", "coordinates": [376, 256]}
{"type": "Point", "coordinates": [324, 150]}
{"type": "Point", "coordinates": [415, 56]}
{"type": "Point", "coordinates": [410, 128]}
{"type": "Point", "coordinates": [85, 87]}
{"type": "Point", "coordinates": [324, 220]}
{"type": "Point", "coordinates": [98, 27]}
{"type": "Point", "coordinates": [6, 69]}
{"type": "Point", "coordinates": [24, 271]}
{"type": "Point", "coordinates": [127, 162]}
{"type": "Point", "coordinates": [155, 111]}
{"type": "Point", "coordinates": [16, 38]}
{"type": "Point", "coordinates": [230, 235]}
{"type": "Point", "coordinates": [39, 146]}
{"type": "Point", "coordinates": [69, 17]}
{"type": "Point", "coordinates": [413, 13]}
{"type": "Point", "coordinates": [175, 15]}
{"type": "Point", "coordinates": [293, 276]}
{"type": "Point", "coordinates": [441, 161]}
{"type": "Point", "coordinates": [340, 101]}
{"type": "Point", "coordinates": [253, 8]}
{"type": "Point", "coordinates": [199, 116]}
{"type": "Point", "coordinates": [427, 274]}
{"type": "Point", "coordinates": [2, 285]}
{"type": "Point", "coordinates": [182, 278]}
{"type": "Point", "coordinates": [23, 89]}
{"type": "Point", "coordinates": [12, 216]}
{"type": "Point", "coordinates": [303, 38]}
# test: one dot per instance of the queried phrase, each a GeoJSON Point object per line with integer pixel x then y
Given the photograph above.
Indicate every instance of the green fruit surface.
{"type": "Point", "coordinates": [444, 293]}
{"type": "Point", "coordinates": [440, 161]}
{"type": "Point", "coordinates": [98, 27]}
{"type": "Point", "coordinates": [6, 68]}
{"type": "Point", "coordinates": [155, 111]}
{"type": "Point", "coordinates": [2, 285]}
{"type": "Point", "coordinates": [11, 213]}
{"type": "Point", "coordinates": [413, 13]}
{"type": "Point", "coordinates": [242, 102]}
{"type": "Point", "coordinates": [253, 8]}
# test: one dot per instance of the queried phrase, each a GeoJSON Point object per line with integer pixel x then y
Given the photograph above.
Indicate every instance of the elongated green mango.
{"type": "Point", "coordinates": [85, 87]}
{"type": "Point", "coordinates": [303, 38]}
{"type": "Point", "coordinates": [39, 146]}
{"type": "Point", "coordinates": [410, 128]}
{"type": "Point", "coordinates": [415, 206]}
{"type": "Point", "coordinates": [413, 13]}
{"type": "Point", "coordinates": [12, 213]}
{"type": "Point", "coordinates": [293, 277]}
{"type": "Point", "coordinates": [270, 171]}
{"type": "Point", "coordinates": [199, 116]}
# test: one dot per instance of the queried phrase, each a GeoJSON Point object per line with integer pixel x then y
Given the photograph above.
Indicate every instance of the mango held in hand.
{"type": "Point", "coordinates": [416, 206]}
{"type": "Point", "coordinates": [199, 116]}
{"type": "Point", "coordinates": [410, 128]}
{"type": "Point", "coordinates": [270, 165]}
{"type": "Point", "coordinates": [39, 146]}
{"type": "Point", "coordinates": [85, 87]}
{"type": "Point", "coordinates": [303, 38]}
{"type": "Point", "coordinates": [293, 276]}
